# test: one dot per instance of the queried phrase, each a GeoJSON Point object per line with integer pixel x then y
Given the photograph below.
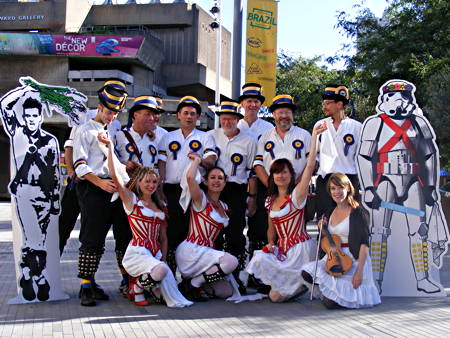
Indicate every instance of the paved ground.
{"type": "Point", "coordinates": [118, 317]}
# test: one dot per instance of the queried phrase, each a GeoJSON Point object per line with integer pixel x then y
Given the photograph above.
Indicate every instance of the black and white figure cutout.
{"type": "Point", "coordinates": [35, 183]}
{"type": "Point", "coordinates": [398, 164]}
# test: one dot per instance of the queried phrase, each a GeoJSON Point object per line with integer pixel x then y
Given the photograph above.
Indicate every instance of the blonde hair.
{"type": "Point", "coordinates": [342, 181]}
{"type": "Point", "coordinates": [137, 176]}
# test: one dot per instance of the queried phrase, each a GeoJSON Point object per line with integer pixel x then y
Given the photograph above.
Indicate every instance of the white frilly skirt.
{"type": "Point", "coordinates": [340, 289]}
{"type": "Point", "coordinates": [139, 260]}
{"type": "Point", "coordinates": [283, 276]}
{"type": "Point", "coordinates": [193, 259]}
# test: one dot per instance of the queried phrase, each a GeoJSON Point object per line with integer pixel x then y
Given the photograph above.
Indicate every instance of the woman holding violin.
{"type": "Point", "coordinates": [344, 274]}
{"type": "Point", "coordinates": [289, 246]}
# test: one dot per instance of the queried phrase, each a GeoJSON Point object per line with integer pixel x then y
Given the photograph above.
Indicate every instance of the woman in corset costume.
{"type": "Point", "coordinates": [202, 267]}
{"type": "Point", "coordinates": [289, 246]}
{"type": "Point", "coordinates": [144, 259]}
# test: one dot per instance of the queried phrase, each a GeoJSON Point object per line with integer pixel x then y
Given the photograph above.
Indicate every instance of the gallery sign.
{"type": "Point", "coordinates": [70, 45]}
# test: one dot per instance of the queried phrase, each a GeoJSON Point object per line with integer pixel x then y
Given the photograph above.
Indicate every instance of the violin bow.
{"type": "Point", "coordinates": [317, 258]}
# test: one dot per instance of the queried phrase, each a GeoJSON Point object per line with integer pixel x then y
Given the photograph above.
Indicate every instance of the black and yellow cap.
{"type": "Point", "coordinates": [189, 101]}
{"type": "Point", "coordinates": [281, 101]}
{"type": "Point", "coordinates": [336, 93]}
{"type": "Point", "coordinates": [252, 90]}
{"type": "Point", "coordinates": [113, 94]}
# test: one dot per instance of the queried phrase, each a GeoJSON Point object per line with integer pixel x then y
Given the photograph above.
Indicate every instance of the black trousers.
{"type": "Point", "coordinates": [258, 223]}
{"type": "Point", "coordinates": [178, 220]}
{"type": "Point", "coordinates": [324, 201]}
{"type": "Point", "coordinates": [235, 196]}
{"type": "Point", "coordinates": [97, 215]}
{"type": "Point", "coordinates": [70, 209]}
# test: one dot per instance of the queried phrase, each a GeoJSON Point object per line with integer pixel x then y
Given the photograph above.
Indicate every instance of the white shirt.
{"type": "Point", "coordinates": [174, 148]}
{"type": "Point", "coordinates": [112, 127]}
{"type": "Point", "coordinates": [337, 148]}
{"type": "Point", "coordinates": [159, 133]}
{"type": "Point", "coordinates": [257, 128]}
{"type": "Point", "coordinates": [235, 155]}
{"type": "Point", "coordinates": [147, 148]}
{"type": "Point", "coordinates": [89, 155]}
{"type": "Point", "coordinates": [294, 147]}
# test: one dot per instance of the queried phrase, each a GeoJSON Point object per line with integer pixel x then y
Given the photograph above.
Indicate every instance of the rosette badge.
{"type": "Point", "coordinates": [174, 147]}
{"type": "Point", "coordinates": [298, 146]}
{"type": "Point", "coordinates": [153, 152]}
{"type": "Point", "coordinates": [195, 145]}
{"type": "Point", "coordinates": [349, 140]}
{"type": "Point", "coordinates": [269, 146]}
{"type": "Point", "coordinates": [236, 159]}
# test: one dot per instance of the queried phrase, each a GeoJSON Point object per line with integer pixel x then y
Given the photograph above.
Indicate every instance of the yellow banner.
{"type": "Point", "coordinates": [261, 45]}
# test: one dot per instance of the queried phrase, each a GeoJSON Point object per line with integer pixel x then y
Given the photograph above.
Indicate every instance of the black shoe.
{"type": "Point", "coordinates": [43, 289]}
{"type": "Point", "coordinates": [264, 289]}
{"type": "Point", "coordinates": [86, 296]}
{"type": "Point", "coordinates": [99, 293]}
{"type": "Point", "coordinates": [192, 293]}
{"type": "Point", "coordinates": [27, 288]}
{"type": "Point", "coordinates": [254, 282]}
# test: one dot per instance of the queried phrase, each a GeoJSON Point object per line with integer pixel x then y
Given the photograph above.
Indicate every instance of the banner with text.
{"type": "Point", "coordinates": [261, 45]}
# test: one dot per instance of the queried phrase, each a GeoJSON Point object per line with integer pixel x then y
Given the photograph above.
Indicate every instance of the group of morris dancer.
{"type": "Point", "coordinates": [186, 196]}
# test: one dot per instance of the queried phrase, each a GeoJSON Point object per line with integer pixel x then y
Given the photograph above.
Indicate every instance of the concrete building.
{"type": "Point", "coordinates": [159, 49]}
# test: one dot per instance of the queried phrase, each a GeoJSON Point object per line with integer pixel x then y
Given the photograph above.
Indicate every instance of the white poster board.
{"type": "Point", "coordinates": [35, 184]}
{"type": "Point", "coordinates": [398, 167]}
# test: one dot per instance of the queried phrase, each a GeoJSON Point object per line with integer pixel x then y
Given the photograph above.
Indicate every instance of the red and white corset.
{"type": "Point", "coordinates": [203, 228]}
{"type": "Point", "coordinates": [290, 228]}
{"type": "Point", "coordinates": [145, 229]}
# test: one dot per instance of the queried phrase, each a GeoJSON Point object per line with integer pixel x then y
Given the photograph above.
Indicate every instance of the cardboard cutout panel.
{"type": "Point", "coordinates": [398, 166]}
{"type": "Point", "coordinates": [35, 183]}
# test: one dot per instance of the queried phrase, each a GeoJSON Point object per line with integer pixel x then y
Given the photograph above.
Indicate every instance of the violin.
{"type": "Point", "coordinates": [338, 263]}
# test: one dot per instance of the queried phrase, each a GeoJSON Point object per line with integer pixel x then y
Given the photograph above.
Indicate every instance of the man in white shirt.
{"type": "Point", "coordinates": [157, 129]}
{"type": "Point", "coordinates": [173, 150]}
{"type": "Point", "coordinates": [137, 145]}
{"type": "Point", "coordinates": [251, 100]}
{"type": "Point", "coordinates": [95, 190]}
{"type": "Point", "coordinates": [283, 141]}
{"type": "Point", "coordinates": [235, 154]}
{"type": "Point", "coordinates": [337, 145]}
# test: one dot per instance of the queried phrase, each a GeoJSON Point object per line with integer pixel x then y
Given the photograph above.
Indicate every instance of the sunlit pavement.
{"type": "Point", "coordinates": [118, 317]}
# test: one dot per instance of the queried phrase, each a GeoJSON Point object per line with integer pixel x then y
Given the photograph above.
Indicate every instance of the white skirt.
{"type": "Point", "coordinates": [340, 289]}
{"type": "Point", "coordinates": [282, 276]}
{"type": "Point", "coordinates": [139, 260]}
{"type": "Point", "coordinates": [193, 259]}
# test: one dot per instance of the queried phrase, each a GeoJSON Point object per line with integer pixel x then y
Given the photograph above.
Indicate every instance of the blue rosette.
{"type": "Point", "coordinates": [269, 146]}
{"type": "Point", "coordinates": [298, 145]}
{"type": "Point", "coordinates": [349, 140]}
{"type": "Point", "coordinates": [236, 160]}
{"type": "Point", "coordinates": [174, 147]}
{"type": "Point", "coordinates": [195, 145]}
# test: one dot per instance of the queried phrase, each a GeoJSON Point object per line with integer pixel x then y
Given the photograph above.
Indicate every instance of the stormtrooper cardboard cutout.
{"type": "Point", "coordinates": [398, 165]}
{"type": "Point", "coordinates": [35, 183]}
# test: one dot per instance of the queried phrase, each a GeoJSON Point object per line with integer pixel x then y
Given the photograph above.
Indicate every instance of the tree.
{"type": "Point", "coordinates": [305, 80]}
{"type": "Point", "coordinates": [412, 42]}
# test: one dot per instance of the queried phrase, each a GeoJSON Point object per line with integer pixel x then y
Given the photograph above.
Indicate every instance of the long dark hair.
{"type": "Point", "coordinates": [206, 175]}
{"type": "Point", "coordinates": [277, 167]}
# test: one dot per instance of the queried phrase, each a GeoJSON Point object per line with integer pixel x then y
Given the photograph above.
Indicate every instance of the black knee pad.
{"type": "Point", "coordinates": [215, 276]}
{"type": "Point", "coordinates": [146, 281]}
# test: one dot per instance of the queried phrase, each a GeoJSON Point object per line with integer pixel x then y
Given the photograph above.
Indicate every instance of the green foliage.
{"type": "Point", "coordinates": [305, 80]}
{"type": "Point", "coordinates": [412, 42]}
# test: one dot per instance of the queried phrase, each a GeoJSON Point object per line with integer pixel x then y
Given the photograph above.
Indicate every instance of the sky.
{"type": "Point", "coordinates": [305, 27]}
